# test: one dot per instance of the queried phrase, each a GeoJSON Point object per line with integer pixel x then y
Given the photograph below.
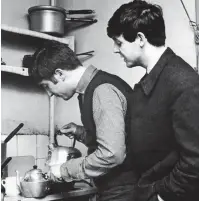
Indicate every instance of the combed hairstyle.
{"type": "Point", "coordinates": [138, 16]}
{"type": "Point", "coordinates": [50, 56]}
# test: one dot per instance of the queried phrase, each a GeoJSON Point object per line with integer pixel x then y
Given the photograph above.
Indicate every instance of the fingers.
{"type": "Point", "coordinates": [68, 129]}
{"type": "Point", "coordinates": [69, 125]}
{"type": "Point", "coordinates": [54, 178]}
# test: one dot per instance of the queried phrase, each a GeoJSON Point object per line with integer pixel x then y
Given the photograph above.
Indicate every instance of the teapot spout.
{"type": "Point", "coordinates": [18, 179]}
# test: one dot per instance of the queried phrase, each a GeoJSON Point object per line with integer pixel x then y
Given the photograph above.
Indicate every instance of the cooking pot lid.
{"type": "Point", "coordinates": [53, 8]}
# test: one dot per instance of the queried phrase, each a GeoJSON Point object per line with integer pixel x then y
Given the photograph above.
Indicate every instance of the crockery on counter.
{"type": "Point", "coordinates": [10, 185]}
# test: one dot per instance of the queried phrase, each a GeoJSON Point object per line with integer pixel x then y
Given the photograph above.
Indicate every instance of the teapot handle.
{"type": "Point", "coordinates": [45, 176]}
{"type": "Point", "coordinates": [18, 179]}
{"type": "Point", "coordinates": [3, 182]}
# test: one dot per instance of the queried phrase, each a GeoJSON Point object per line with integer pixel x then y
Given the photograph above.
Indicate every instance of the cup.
{"type": "Point", "coordinates": [10, 185]}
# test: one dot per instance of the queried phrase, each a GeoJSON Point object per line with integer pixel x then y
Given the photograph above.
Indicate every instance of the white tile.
{"type": "Point", "coordinates": [42, 143]}
{"type": "Point", "coordinates": [27, 145]}
{"type": "Point", "coordinates": [12, 147]}
{"type": "Point", "coordinates": [41, 165]}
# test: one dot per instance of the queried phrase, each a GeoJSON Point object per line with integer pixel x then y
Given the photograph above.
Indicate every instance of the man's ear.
{"type": "Point", "coordinates": [141, 39]}
{"type": "Point", "coordinates": [59, 74]}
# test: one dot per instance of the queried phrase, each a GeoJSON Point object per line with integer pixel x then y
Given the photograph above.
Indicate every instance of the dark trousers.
{"type": "Point", "coordinates": [117, 193]}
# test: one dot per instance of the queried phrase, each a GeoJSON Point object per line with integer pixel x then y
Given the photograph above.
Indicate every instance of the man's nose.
{"type": "Point", "coordinates": [116, 48]}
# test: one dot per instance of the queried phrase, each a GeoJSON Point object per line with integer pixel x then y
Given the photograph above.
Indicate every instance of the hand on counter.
{"type": "Point", "coordinates": [56, 176]}
{"type": "Point", "coordinates": [55, 173]}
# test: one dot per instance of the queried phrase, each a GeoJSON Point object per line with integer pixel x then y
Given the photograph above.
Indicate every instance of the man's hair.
{"type": "Point", "coordinates": [138, 16]}
{"type": "Point", "coordinates": [50, 56]}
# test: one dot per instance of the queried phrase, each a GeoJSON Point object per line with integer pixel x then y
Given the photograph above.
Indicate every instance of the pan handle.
{"type": "Point", "coordinates": [3, 165]}
{"type": "Point", "coordinates": [74, 141]}
{"type": "Point", "coordinates": [89, 20]}
{"type": "Point", "coordinates": [90, 53]}
{"type": "Point", "coordinates": [13, 132]}
{"type": "Point", "coordinates": [85, 11]}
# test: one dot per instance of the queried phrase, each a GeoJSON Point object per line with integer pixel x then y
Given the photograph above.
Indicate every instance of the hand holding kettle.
{"type": "Point", "coordinates": [72, 130]}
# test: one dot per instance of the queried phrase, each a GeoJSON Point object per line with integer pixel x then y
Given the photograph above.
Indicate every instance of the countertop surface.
{"type": "Point", "coordinates": [73, 193]}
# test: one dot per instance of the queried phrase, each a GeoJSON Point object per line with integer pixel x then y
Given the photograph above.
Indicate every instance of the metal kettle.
{"type": "Point", "coordinates": [60, 154]}
{"type": "Point", "coordinates": [35, 183]}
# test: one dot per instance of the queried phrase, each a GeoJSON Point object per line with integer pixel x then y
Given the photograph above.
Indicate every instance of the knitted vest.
{"type": "Point", "coordinates": [87, 119]}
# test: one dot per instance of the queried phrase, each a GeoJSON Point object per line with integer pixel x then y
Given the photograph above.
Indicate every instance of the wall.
{"type": "Point", "coordinates": [21, 99]}
{"type": "Point", "coordinates": [27, 105]}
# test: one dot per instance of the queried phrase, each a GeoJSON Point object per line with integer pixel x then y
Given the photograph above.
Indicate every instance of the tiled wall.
{"type": "Point", "coordinates": [37, 146]}
{"type": "Point", "coordinates": [29, 145]}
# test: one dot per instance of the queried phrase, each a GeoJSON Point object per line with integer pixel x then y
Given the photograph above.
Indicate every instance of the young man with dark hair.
{"type": "Point", "coordinates": [104, 107]}
{"type": "Point", "coordinates": [164, 106]}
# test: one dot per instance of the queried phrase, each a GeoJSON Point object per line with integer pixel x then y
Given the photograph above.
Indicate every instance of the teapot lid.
{"type": "Point", "coordinates": [34, 174]}
{"type": "Point", "coordinates": [35, 170]}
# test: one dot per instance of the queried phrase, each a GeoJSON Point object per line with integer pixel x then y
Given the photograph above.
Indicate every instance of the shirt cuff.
{"type": "Point", "coordinates": [159, 198]}
{"type": "Point", "coordinates": [73, 170]}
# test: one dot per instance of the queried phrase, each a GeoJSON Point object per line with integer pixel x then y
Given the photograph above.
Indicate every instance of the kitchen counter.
{"type": "Point", "coordinates": [88, 191]}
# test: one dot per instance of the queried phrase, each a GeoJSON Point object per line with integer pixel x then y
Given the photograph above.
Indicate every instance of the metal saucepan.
{"type": "Point", "coordinates": [4, 144]}
{"type": "Point", "coordinates": [51, 19]}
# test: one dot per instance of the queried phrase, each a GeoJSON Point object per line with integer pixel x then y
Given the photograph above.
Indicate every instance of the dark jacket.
{"type": "Point", "coordinates": [122, 174]}
{"type": "Point", "coordinates": [165, 130]}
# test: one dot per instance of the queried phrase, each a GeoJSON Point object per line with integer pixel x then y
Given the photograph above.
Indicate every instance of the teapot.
{"type": "Point", "coordinates": [35, 183]}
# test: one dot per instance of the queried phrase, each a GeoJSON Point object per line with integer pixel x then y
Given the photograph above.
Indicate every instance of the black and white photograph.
{"type": "Point", "coordinates": [99, 100]}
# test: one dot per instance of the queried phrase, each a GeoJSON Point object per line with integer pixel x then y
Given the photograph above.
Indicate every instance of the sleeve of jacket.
{"type": "Point", "coordinates": [183, 180]}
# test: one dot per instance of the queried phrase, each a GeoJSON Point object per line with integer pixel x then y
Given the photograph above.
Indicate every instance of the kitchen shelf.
{"type": "Point", "coordinates": [66, 40]}
{"type": "Point", "coordinates": [16, 70]}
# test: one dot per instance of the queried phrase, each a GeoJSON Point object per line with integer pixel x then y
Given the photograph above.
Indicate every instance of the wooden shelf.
{"type": "Point", "coordinates": [66, 40]}
{"type": "Point", "coordinates": [14, 69]}
{"type": "Point", "coordinates": [25, 32]}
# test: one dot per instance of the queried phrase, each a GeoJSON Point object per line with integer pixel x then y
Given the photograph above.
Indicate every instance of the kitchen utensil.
{"type": "Point", "coordinates": [4, 145]}
{"type": "Point", "coordinates": [35, 175]}
{"type": "Point", "coordinates": [60, 154]}
{"type": "Point", "coordinates": [9, 137]}
{"type": "Point", "coordinates": [51, 19]}
{"type": "Point", "coordinates": [10, 185]}
{"type": "Point", "coordinates": [35, 183]}
{"type": "Point", "coordinates": [89, 53]}
{"type": "Point", "coordinates": [28, 59]}
{"type": "Point", "coordinates": [3, 165]}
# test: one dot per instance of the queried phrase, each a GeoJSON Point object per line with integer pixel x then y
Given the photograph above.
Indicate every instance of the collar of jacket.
{"type": "Point", "coordinates": [148, 83]}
